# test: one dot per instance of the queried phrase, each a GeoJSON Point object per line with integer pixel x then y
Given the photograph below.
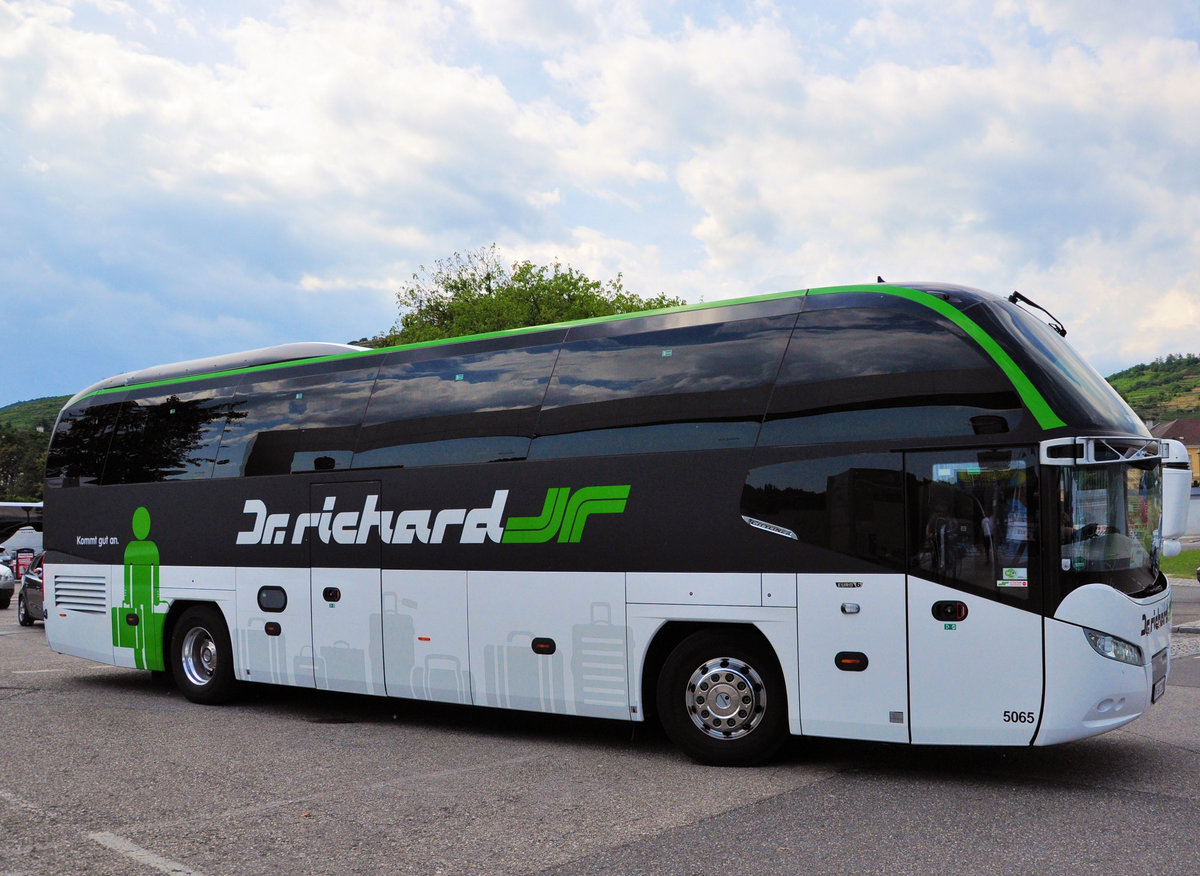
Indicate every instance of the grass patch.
{"type": "Point", "coordinates": [1182, 566]}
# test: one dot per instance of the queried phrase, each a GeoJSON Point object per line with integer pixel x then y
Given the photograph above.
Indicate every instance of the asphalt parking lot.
{"type": "Point", "coordinates": [109, 771]}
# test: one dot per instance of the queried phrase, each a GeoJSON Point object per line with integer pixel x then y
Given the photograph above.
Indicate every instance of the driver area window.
{"type": "Point", "coordinates": [974, 522]}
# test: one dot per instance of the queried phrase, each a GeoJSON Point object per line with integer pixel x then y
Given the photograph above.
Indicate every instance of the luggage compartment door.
{"type": "Point", "coordinates": [425, 635]}
{"type": "Point", "coordinates": [550, 642]}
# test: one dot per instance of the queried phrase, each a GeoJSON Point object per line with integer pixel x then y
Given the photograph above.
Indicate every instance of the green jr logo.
{"type": "Point", "coordinates": [565, 513]}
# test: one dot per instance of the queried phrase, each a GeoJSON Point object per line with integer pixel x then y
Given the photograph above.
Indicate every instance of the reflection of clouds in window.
{"type": "Point", "coordinates": [876, 374]}
{"type": "Point", "coordinates": [494, 381]}
{"type": "Point", "coordinates": [311, 403]}
{"type": "Point", "coordinates": [704, 359]}
{"type": "Point", "coordinates": [861, 342]}
{"type": "Point", "coordinates": [307, 402]}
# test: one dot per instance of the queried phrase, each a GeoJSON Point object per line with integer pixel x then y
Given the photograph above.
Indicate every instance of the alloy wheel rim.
{"type": "Point", "coordinates": [725, 698]}
{"type": "Point", "coordinates": [199, 655]}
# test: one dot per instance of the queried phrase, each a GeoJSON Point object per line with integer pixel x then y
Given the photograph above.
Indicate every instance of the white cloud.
{"type": "Point", "coordinates": [283, 164]}
{"type": "Point", "coordinates": [1103, 21]}
{"type": "Point", "coordinates": [549, 25]}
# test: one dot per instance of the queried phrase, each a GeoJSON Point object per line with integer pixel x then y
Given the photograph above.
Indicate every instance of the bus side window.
{"type": "Point", "coordinates": [168, 437]}
{"type": "Point", "coordinates": [850, 506]}
{"type": "Point", "coordinates": [79, 446]}
{"type": "Point", "coordinates": [973, 522]}
{"type": "Point", "coordinates": [301, 419]}
{"type": "Point", "coordinates": [478, 406]}
{"type": "Point", "coordinates": [699, 387]}
{"type": "Point", "coordinates": [878, 372]}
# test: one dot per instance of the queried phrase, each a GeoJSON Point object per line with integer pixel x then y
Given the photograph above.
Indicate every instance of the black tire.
{"type": "Point", "coordinates": [721, 699]}
{"type": "Point", "coordinates": [4, 601]}
{"type": "Point", "coordinates": [24, 618]}
{"type": "Point", "coordinates": [201, 658]}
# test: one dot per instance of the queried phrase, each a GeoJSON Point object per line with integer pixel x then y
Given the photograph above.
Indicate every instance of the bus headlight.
{"type": "Point", "coordinates": [1114, 648]}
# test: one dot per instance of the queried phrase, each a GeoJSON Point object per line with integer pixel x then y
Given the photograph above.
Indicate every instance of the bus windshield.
{"type": "Point", "coordinates": [1073, 388]}
{"type": "Point", "coordinates": [1109, 522]}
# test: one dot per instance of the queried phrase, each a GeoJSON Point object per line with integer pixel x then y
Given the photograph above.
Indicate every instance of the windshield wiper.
{"type": "Point", "coordinates": [1054, 323]}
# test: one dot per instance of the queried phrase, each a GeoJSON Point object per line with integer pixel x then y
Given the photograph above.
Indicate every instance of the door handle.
{"type": "Point", "coordinates": [950, 611]}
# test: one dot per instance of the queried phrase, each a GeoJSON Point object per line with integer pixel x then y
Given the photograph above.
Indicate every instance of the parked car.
{"type": "Point", "coordinates": [7, 584]}
{"type": "Point", "coordinates": [16, 562]}
{"type": "Point", "coordinates": [30, 604]}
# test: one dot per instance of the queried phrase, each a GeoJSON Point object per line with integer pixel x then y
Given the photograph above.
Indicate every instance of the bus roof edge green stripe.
{"type": "Point", "coordinates": [482, 336]}
{"type": "Point", "coordinates": [1029, 393]}
{"type": "Point", "coordinates": [1033, 399]}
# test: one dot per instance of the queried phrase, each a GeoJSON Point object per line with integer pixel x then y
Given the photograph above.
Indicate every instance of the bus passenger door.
{"type": "Point", "coordinates": [853, 674]}
{"type": "Point", "coordinates": [347, 608]}
{"type": "Point", "coordinates": [974, 626]}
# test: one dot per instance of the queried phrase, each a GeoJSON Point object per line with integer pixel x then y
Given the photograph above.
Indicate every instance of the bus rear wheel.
{"type": "Point", "coordinates": [201, 656]}
{"type": "Point", "coordinates": [721, 699]}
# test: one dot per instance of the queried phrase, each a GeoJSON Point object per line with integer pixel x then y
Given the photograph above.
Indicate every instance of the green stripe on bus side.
{"type": "Point", "coordinates": [1033, 399]}
{"type": "Point", "coordinates": [210, 375]}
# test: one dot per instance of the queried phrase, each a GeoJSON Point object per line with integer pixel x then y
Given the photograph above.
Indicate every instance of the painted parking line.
{"type": "Point", "coordinates": [134, 852]}
{"type": "Point", "coordinates": [111, 841]}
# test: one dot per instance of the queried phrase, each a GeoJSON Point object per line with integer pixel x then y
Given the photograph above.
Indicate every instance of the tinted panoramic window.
{"type": "Point", "coordinates": [81, 440]}
{"type": "Point", "coordinates": [849, 505]}
{"type": "Point", "coordinates": [893, 371]}
{"type": "Point", "coordinates": [478, 405]}
{"type": "Point", "coordinates": [634, 387]}
{"type": "Point", "coordinates": [282, 421]}
{"type": "Point", "coordinates": [168, 436]}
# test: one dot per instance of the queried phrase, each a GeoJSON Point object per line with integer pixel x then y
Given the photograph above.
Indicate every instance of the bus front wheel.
{"type": "Point", "coordinates": [201, 656]}
{"type": "Point", "coordinates": [721, 699]}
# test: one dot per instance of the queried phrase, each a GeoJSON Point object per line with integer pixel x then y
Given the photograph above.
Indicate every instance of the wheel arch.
{"type": "Point", "coordinates": [178, 607]}
{"type": "Point", "coordinates": [671, 633]}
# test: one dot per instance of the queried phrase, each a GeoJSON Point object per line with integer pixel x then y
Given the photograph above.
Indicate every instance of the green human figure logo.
{"type": "Point", "coordinates": [136, 624]}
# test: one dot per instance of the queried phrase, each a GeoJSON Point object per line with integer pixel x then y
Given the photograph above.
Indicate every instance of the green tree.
{"type": "Point", "coordinates": [22, 464]}
{"type": "Point", "coordinates": [473, 293]}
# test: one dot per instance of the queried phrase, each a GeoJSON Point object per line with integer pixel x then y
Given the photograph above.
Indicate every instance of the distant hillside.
{"type": "Point", "coordinates": [23, 447]}
{"type": "Point", "coordinates": [28, 415]}
{"type": "Point", "coordinates": [1165, 389]}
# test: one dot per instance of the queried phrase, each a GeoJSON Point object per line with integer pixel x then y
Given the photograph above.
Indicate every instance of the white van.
{"type": "Point", "coordinates": [25, 537]}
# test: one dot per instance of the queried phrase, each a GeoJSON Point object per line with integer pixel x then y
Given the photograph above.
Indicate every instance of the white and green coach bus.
{"type": "Point", "coordinates": [881, 512]}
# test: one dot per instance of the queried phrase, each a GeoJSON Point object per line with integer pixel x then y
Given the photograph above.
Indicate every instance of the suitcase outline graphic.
{"type": "Point", "coordinates": [517, 678]}
{"type": "Point", "coordinates": [451, 667]}
{"type": "Point", "coordinates": [599, 668]}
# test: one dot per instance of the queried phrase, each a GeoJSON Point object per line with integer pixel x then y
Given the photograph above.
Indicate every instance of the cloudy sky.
{"type": "Point", "coordinates": [181, 179]}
